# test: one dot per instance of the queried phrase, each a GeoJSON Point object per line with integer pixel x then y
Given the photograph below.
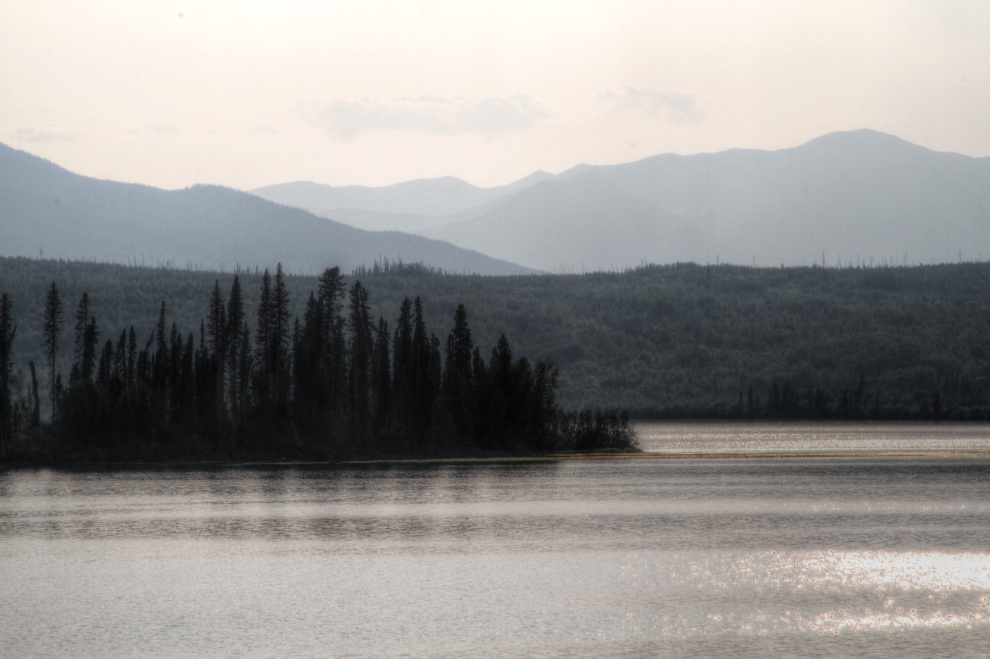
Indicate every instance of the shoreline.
{"type": "Point", "coordinates": [565, 457]}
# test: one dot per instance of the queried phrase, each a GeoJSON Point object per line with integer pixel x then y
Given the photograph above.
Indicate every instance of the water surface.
{"type": "Point", "coordinates": [804, 437]}
{"type": "Point", "coordinates": [875, 557]}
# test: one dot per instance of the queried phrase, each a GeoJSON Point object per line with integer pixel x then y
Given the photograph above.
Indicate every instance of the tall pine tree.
{"type": "Point", "coordinates": [51, 331]}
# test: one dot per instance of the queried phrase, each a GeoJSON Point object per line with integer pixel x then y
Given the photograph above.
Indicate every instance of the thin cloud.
{"type": "Point", "coordinates": [348, 118]}
{"type": "Point", "coordinates": [46, 135]}
{"type": "Point", "coordinates": [162, 129]}
{"type": "Point", "coordinates": [677, 106]}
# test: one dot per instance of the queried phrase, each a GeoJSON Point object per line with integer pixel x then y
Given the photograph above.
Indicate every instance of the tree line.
{"type": "Point", "coordinates": [672, 341]}
{"type": "Point", "coordinates": [334, 383]}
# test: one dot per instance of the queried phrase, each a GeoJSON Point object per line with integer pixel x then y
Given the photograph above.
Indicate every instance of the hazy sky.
{"type": "Point", "coordinates": [246, 94]}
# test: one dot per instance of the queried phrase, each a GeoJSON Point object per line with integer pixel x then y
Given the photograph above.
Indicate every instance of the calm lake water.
{"type": "Point", "coordinates": [867, 557]}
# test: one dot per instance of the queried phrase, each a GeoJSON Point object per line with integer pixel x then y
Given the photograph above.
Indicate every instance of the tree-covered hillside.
{"type": "Point", "coordinates": [680, 340]}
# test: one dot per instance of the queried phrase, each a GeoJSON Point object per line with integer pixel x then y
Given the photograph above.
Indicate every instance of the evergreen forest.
{"type": "Point", "coordinates": [333, 384]}
{"type": "Point", "coordinates": [674, 341]}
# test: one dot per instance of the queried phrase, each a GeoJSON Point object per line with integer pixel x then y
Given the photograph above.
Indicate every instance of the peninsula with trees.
{"type": "Point", "coordinates": [333, 384]}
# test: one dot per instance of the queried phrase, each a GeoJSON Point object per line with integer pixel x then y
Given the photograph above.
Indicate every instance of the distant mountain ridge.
{"type": "Point", "coordinates": [431, 197]}
{"type": "Point", "coordinates": [47, 210]}
{"type": "Point", "coordinates": [850, 195]}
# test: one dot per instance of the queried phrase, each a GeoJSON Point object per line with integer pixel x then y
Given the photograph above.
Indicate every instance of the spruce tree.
{"type": "Point", "coordinates": [82, 323]}
{"type": "Point", "coordinates": [263, 344]}
{"type": "Point", "coordinates": [420, 363]}
{"type": "Point", "coordinates": [105, 368]}
{"type": "Point", "coordinates": [7, 332]}
{"type": "Point", "coordinates": [360, 353]}
{"type": "Point", "coordinates": [175, 347]}
{"type": "Point", "coordinates": [245, 363]}
{"type": "Point", "coordinates": [330, 296]}
{"type": "Point", "coordinates": [217, 329]}
{"type": "Point", "coordinates": [457, 384]}
{"type": "Point", "coordinates": [280, 338]}
{"type": "Point", "coordinates": [402, 383]}
{"type": "Point", "coordinates": [90, 340]}
{"type": "Point", "coordinates": [382, 380]}
{"type": "Point", "coordinates": [120, 360]}
{"type": "Point", "coordinates": [187, 379]}
{"type": "Point", "coordinates": [35, 398]}
{"type": "Point", "coordinates": [131, 358]}
{"type": "Point", "coordinates": [159, 365]}
{"type": "Point", "coordinates": [235, 319]}
{"type": "Point", "coordinates": [51, 330]}
{"type": "Point", "coordinates": [308, 360]}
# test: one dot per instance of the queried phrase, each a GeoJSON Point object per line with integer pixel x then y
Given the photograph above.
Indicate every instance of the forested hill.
{"type": "Point", "coordinates": [46, 210]}
{"type": "Point", "coordinates": [675, 340]}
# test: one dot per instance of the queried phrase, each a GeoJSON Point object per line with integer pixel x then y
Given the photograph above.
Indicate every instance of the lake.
{"type": "Point", "coordinates": [879, 556]}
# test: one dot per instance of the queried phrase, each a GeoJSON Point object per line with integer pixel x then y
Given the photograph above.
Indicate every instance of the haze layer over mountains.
{"type": "Point", "coordinates": [858, 195]}
{"type": "Point", "coordinates": [48, 211]}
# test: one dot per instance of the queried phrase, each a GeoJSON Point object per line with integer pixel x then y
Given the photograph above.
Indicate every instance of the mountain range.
{"type": "Point", "coordinates": [50, 212]}
{"type": "Point", "coordinates": [844, 197]}
{"type": "Point", "coordinates": [848, 197]}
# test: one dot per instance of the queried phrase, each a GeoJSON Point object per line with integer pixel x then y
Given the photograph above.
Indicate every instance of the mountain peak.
{"type": "Point", "coordinates": [865, 138]}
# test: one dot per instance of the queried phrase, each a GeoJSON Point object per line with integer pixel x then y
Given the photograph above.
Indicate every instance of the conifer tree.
{"type": "Point", "coordinates": [82, 323]}
{"type": "Point", "coordinates": [420, 363]}
{"type": "Point", "coordinates": [245, 363]}
{"type": "Point", "coordinates": [457, 382]}
{"type": "Point", "coordinates": [90, 339]}
{"type": "Point", "coordinates": [35, 398]}
{"type": "Point", "coordinates": [175, 346]}
{"type": "Point", "coordinates": [280, 339]}
{"type": "Point", "coordinates": [235, 319]}
{"type": "Point", "coordinates": [432, 383]}
{"type": "Point", "coordinates": [51, 330]}
{"type": "Point", "coordinates": [159, 366]}
{"type": "Point", "coordinates": [187, 378]}
{"type": "Point", "coordinates": [360, 353]}
{"type": "Point", "coordinates": [7, 332]}
{"type": "Point", "coordinates": [120, 359]}
{"type": "Point", "coordinates": [403, 381]}
{"type": "Point", "coordinates": [308, 362]}
{"type": "Point", "coordinates": [216, 324]}
{"type": "Point", "coordinates": [482, 395]}
{"type": "Point", "coordinates": [217, 332]}
{"type": "Point", "coordinates": [330, 296]}
{"type": "Point", "coordinates": [105, 370]}
{"type": "Point", "coordinates": [263, 342]}
{"type": "Point", "coordinates": [382, 380]}
{"type": "Point", "coordinates": [160, 336]}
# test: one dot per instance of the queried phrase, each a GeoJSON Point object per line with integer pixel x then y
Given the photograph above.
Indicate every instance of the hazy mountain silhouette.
{"type": "Point", "coordinates": [857, 194]}
{"type": "Point", "coordinates": [45, 209]}
{"type": "Point", "coordinates": [577, 224]}
{"type": "Point", "coordinates": [400, 206]}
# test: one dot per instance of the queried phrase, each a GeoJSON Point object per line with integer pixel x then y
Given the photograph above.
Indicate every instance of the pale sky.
{"type": "Point", "coordinates": [246, 94]}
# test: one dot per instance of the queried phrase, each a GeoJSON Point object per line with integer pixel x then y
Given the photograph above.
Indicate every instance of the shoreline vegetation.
{"type": "Point", "coordinates": [333, 385]}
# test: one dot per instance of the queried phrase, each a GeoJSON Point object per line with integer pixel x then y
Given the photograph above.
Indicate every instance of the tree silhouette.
{"type": "Point", "coordinates": [235, 320]}
{"type": "Point", "coordinates": [51, 330]}
{"type": "Point", "coordinates": [7, 332]}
